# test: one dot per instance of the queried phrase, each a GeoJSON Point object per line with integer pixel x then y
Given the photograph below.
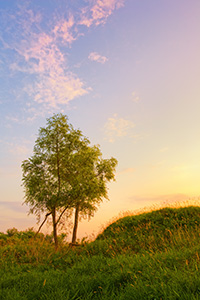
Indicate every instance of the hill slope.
{"type": "Point", "coordinates": [156, 230]}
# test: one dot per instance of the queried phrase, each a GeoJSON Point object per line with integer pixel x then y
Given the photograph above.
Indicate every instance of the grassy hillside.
{"type": "Point", "coordinates": [155, 231]}
{"type": "Point", "coordinates": [153, 255]}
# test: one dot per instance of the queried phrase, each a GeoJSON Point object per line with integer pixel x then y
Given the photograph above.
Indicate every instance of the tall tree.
{"type": "Point", "coordinates": [46, 174]}
{"type": "Point", "coordinates": [65, 172]}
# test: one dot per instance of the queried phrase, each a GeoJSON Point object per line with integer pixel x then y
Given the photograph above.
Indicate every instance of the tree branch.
{"type": "Point", "coordinates": [42, 224]}
{"type": "Point", "coordinates": [62, 214]}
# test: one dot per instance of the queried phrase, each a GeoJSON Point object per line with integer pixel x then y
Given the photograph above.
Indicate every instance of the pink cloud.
{"type": "Point", "coordinates": [41, 54]}
{"type": "Point", "coordinates": [26, 18]}
{"type": "Point", "coordinates": [99, 11]}
{"type": "Point", "coordinates": [58, 89]}
{"type": "Point", "coordinates": [117, 127]}
{"type": "Point", "coordinates": [94, 56]}
{"type": "Point", "coordinates": [64, 30]}
{"type": "Point", "coordinates": [54, 84]}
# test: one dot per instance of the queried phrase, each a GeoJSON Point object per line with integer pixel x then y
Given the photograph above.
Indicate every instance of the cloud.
{"type": "Point", "coordinates": [13, 206]}
{"type": "Point", "coordinates": [98, 12]}
{"type": "Point", "coordinates": [135, 97]}
{"type": "Point", "coordinates": [53, 84]}
{"type": "Point", "coordinates": [40, 54]}
{"type": "Point", "coordinates": [13, 214]}
{"type": "Point", "coordinates": [94, 56]}
{"type": "Point", "coordinates": [18, 148]}
{"type": "Point", "coordinates": [64, 30]}
{"type": "Point", "coordinates": [41, 51]}
{"type": "Point", "coordinates": [31, 112]}
{"type": "Point", "coordinates": [117, 127]}
{"type": "Point", "coordinates": [54, 90]}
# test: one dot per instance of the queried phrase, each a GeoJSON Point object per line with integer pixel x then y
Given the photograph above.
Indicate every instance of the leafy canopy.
{"type": "Point", "coordinates": [65, 171]}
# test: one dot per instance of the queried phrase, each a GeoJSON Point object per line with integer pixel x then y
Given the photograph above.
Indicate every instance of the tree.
{"type": "Point", "coordinates": [46, 174]}
{"type": "Point", "coordinates": [65, 172]}
{"type": "Point", "coordinates": [90, 183]}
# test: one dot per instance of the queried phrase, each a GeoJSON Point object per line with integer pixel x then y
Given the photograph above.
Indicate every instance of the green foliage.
{"type": "Point", "coordinates": [65, 172]}
{"type": "Point", "coordinates": [102, 269]}
{"type": "Point", "coordinates": [45, 173]}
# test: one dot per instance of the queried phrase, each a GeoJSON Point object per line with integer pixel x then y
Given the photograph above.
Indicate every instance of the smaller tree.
{"type": "Point", "coordinates": [91, 175]}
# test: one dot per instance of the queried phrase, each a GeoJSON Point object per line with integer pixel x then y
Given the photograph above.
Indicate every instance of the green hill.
{"type": "Point", "coordinates": [153, 255]}
{"type": "Point", "coordinates": [154, 231]}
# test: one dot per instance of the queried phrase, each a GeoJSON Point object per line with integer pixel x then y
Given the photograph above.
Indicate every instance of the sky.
{"type": "Point", "coordinates": [126, 73]}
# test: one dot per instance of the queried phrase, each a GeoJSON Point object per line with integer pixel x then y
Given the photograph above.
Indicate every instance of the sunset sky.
{"type": "Point", "coordinates": [126, 73]}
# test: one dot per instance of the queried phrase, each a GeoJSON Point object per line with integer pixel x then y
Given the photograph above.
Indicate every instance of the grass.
{"type": "Point", "coordinates": [149, 256]}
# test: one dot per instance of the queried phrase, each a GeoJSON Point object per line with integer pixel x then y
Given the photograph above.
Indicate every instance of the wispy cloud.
{"type": "Point", "coordinates": [64, 30]}
{"type": "Point", "coordinates": [117, 127]}
{"type": "Point", "coordinates": [31, 113]}
{"type": "Point", "coordinates": [58, 89]}
{"type": "Point", "coordinates": [135, 97]}
{"type": "Point", "coordinates": [13, 206]}
{"type": "Point", "coordinates": [94, 56]}
{"type": "Point", "coordinates": [13, 214]}
{"type": "Point", "coordinates": [54, 83]}
{"type": "Point", "coordinates": [18, 148]}
{"type": "Point", "coordinates": [41, 52]}
{"type": "Point", "coordinates": [98, 12]}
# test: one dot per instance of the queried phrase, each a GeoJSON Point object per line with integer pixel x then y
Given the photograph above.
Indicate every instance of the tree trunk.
{"type": "Point", "coordinates": [75, 224]}
{"type": "Point", "coordinates": [54, 228]}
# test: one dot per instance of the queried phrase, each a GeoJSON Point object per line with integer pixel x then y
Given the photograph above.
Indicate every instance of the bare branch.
{"type": "Point", "coordinates": [62, 214]}
{"type": "Point", "coordinates": [42, 224]}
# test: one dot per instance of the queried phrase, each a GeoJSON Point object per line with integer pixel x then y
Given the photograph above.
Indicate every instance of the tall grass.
{"type": "Point", "coordinates": [149, 256]}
